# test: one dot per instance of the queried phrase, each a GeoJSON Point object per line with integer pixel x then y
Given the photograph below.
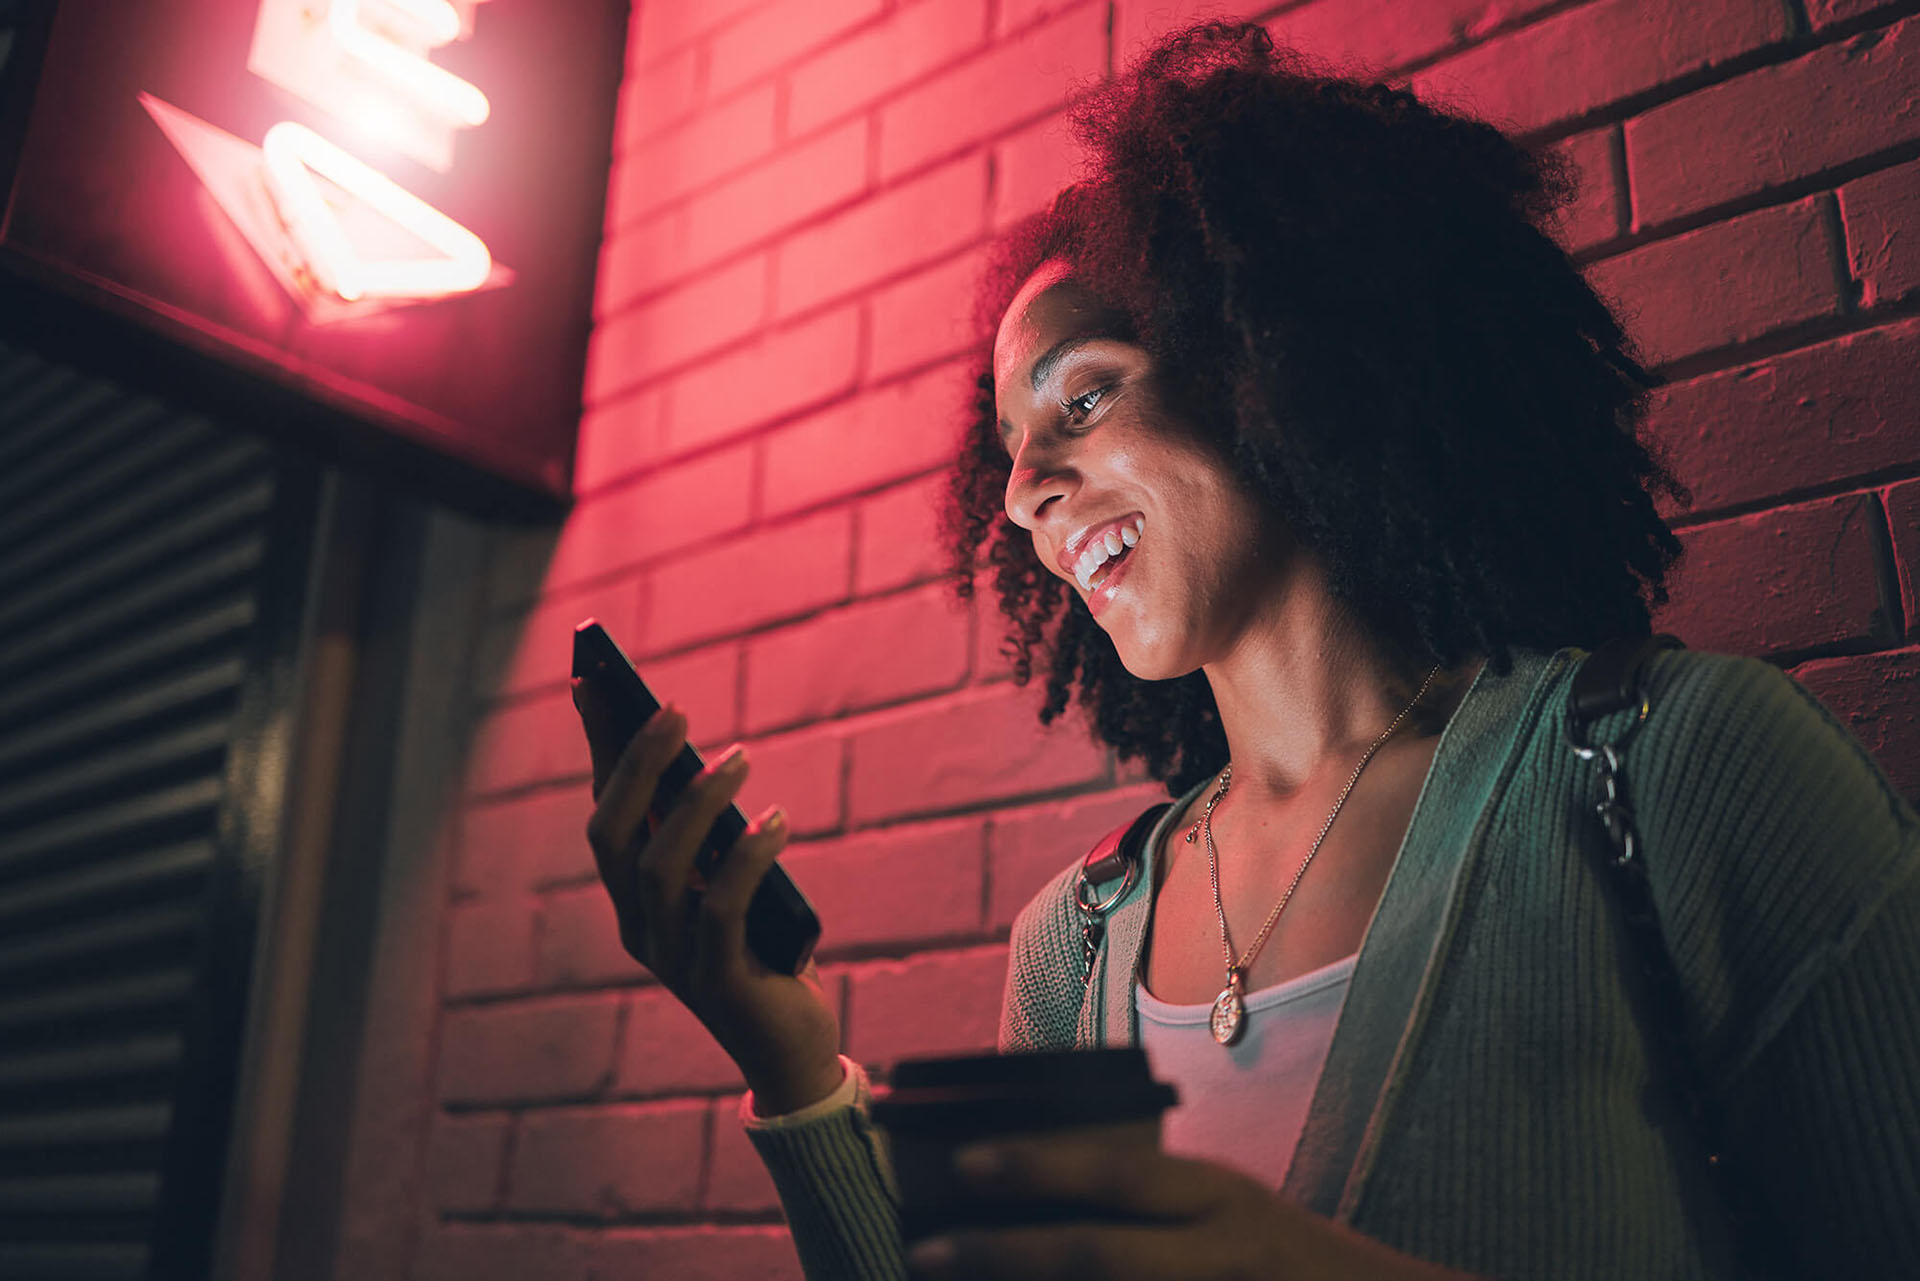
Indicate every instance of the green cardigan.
{"type": "Point", "coordinates": [1488, 1101]}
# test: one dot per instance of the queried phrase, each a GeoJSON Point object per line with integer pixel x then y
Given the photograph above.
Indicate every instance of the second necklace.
{"type": "Point", "coordinates": [1229, 1008]}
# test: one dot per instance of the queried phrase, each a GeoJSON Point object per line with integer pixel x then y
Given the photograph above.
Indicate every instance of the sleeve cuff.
{"type": "Point", "coordinates": [842, 1097]}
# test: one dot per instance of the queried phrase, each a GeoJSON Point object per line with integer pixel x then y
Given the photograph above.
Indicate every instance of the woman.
{"type": "Point", "coordinates": [1362, 439]}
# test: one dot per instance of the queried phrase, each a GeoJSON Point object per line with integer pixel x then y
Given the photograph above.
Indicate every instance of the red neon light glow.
{"type": "Point", "coordinates": [433, 87]}
{"type": "Point", "coordinates": [293, 153]}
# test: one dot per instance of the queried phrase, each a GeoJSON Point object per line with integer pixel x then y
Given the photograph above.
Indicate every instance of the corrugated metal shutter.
{"type": "Point", "coordinates": [144, 555]}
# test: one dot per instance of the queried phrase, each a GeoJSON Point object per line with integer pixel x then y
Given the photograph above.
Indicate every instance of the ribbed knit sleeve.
{"type": "Point", "coordinates": [1830, 1111]}
{"type": "Point", "coordinates": [838, 1191]}
{"type": "Point", "coordinates": [1772, 840]}
{"type": "Point", "coordinates": [1046, 935]}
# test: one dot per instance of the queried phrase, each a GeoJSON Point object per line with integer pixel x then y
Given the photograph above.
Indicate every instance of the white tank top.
{"type": "Point", "coordinates": [1244, 1104]}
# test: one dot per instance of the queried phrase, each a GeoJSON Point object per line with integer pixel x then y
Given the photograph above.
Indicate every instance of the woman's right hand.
{"type": "Point", "coordinates": [780, 1029]}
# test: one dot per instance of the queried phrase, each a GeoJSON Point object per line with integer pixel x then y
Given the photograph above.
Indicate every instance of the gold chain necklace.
{"type": "Point", "coordinates": [1229, 1008]}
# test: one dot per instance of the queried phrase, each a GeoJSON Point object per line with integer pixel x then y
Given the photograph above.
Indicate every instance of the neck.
{"type": "Point", "coordinates": [1304, 692]}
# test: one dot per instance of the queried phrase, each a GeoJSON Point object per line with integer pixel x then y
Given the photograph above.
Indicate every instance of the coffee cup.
{"type": "Point", "coordinates": [935, 1106]}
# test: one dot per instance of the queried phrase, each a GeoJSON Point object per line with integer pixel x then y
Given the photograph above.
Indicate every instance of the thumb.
{"type": "Point", "coordinates": [599, 731]}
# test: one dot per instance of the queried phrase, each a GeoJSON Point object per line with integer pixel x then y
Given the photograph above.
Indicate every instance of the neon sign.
{"type": "Point", "coordinates": [365, 63]}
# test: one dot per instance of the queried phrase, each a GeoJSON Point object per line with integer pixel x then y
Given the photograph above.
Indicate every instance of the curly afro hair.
{"type": "Point", "coordinates": [1462, 411]}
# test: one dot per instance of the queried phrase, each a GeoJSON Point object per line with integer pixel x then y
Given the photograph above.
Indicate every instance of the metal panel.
{"type": "Point", "coordinates": [152, 571]}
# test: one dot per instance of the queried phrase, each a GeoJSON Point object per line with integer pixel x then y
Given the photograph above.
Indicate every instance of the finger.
{"type": "Point", "coordinates": [1086, 1251]}
{"type": "Point", "coordinates": [622, 805]}
{"type": "Point", "coordinates": [634, 779]}
{"type": "Point", "coordinates": [666, 865]}
{"type": "Point", "coordinates": [724, 918]}
{"type": "Point", "coordinates": [1117, 1178]}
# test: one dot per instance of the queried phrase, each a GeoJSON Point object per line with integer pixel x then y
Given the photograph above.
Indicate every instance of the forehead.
{"type": "Point", "coordinates": [1049, 307]}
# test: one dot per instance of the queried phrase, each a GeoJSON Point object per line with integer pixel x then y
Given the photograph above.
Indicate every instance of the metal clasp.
{"type": "Point", "coordinates": [1095, 913]}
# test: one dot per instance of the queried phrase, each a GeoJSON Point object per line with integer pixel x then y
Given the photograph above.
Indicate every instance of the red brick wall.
{"type": "Point", "coordinates": [800, 196]}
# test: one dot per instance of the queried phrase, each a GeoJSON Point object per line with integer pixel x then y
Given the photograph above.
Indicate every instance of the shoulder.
{"type": "Point", "coordinates": [1771, 836]}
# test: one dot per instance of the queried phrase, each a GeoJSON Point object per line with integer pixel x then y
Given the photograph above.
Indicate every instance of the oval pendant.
{"type": "Point", "coordinates": [1227, 1016]}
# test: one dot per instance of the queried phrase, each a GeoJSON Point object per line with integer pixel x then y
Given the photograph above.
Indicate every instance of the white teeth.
{"type": "Point", "coordinates": [1105, 548]}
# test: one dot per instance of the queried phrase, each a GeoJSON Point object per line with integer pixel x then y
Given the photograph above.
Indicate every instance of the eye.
{"type": "Point", "coordinates": [1080, 406]}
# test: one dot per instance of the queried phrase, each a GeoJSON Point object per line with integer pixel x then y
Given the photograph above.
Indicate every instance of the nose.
{"type": "Point", "coordinates": [1030, 489]}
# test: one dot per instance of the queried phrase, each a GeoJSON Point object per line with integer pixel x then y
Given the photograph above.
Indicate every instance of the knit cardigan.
{"type": "Point", "coordinates": [1491, 1100]}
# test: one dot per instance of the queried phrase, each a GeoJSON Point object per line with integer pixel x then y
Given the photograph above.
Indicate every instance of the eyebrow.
{"type": "Point", "coordinates": [1052, 356]}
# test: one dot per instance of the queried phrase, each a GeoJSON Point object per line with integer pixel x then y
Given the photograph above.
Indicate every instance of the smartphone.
{"type": "Point", "coordinates": [782, 928]}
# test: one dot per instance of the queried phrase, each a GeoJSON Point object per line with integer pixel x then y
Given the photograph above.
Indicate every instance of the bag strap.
{"type": "Point", "coordinates": [1117, 854]}
{"type": "Point", "coordinates": [1608, 681]}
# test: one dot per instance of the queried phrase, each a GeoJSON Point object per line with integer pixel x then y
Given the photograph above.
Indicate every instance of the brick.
{"type": "Point", "coordinates": [774, 573]}
{"type": "Point", "coordinates": [609, 1160]}
{"type": "Point", "coordinates": [489, 947]}
{"type": "Point", "coordinates": [512, 846]}
{"type": "Point", "coordinates": [1881, 213]}
{"type": "Point", "coordinates": [1728, 283]}
{"type": "Point", "coordinates": [1138, 23]}
{"type": "Point", "coordinates": [899, 538]}
{"type": "Point", "coordinates": [525, 653]}
{"type": "Point", "coordinates": [1825, 13]}
{"type": "Point", "coordinates": [1902, 503]}
{"type": "Point", "coordinates": [666, 332]}
{"type": "Point", "coordinates": [1577, 62]}
{"type": "Point", "coordinates": [737, 1180]}
{"type": "Point", "coordinates": [778, 34]}
{"type": "Point", "coordinates": [913, 41]}
{"type": "Point", "coordinates": [1878, 697]}
{"type": "Point", "coordinates": [527, 1051]}
{"type": "Point", "coordinates": [796, 185]}
{"type": "Point", "coordinates": [927, 317]}
{"type": "Point", "coordinates": [1783, 581]}
{"type": "Point", "coordinates": [1030, 167]}
{"type": "Point", "coordinates": [1028, 847]}
{"type": "Point", "coordinates": [1015, 81]}
{"type": "Point", "coordinates": [902, 429]}
{"type": "Point", "coordinates": [642, 257]}
{"type": "Point", "coordinates": [972, 749]}
{"type": "Point", "coordinates": [672, 508]}
{"type": "Point", "coordinates": [703, 683]}
{"type": "Point", "coordinates": [522, 744]}
{"type": "Point", "coordinates": [713, 144]}
{"type": "Point", "coordinates": [914, 223]}
{"type": "Point", "coordinates": [697, 1254]}
{"type": "Point", "coordinates": [869, 654]}
{"type": "Point", "coordinates": [656, 97]}
{"type": "Point", "coordinates": [801, 773]}
{"type": "Point", "coordinates": [935, 1004]}
{"type": "Point", "coordinates": [1593, 217]}
{"type": "Point", "coordinates": [1375, 37]}
{"type": "Point", "coordinates": [501, 1252]}
{"type": "Point", "coordinates": [618, 437]}
{"type": "Point", "coordinates": [664, 1049]}
{"type": "Point", "coordinates": [1823, 414]}
{"type": "Point", "coordinates": [1776, 125]}
{"type": "Point", "coordinates": [579, 942]}
{"type": "Point", "coordinates": [465, 1157]}
{"type": "Point", "coordinates": [784, 373]}
{"type": "Point", "coordinates": [660, 26]}
{"type": "Point", "coordinates": [909, 884]}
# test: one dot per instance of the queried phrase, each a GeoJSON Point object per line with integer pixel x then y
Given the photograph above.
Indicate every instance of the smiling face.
{"type": "Point", "coordinates": [1091, 446]}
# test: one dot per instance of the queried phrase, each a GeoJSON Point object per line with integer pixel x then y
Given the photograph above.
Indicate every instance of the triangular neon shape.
{"type": "Point", "coordinates": [294, 154]}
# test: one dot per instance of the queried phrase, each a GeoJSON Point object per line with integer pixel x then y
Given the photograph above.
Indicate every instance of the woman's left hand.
{"type": "Point", "coordinates": [1205, 1222]}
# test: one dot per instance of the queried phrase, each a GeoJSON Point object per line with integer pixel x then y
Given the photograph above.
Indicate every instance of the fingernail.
{"type": "Point", "coordinates": [736, 760]}
{"type": "Point", "coordinates": [776, 820]}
